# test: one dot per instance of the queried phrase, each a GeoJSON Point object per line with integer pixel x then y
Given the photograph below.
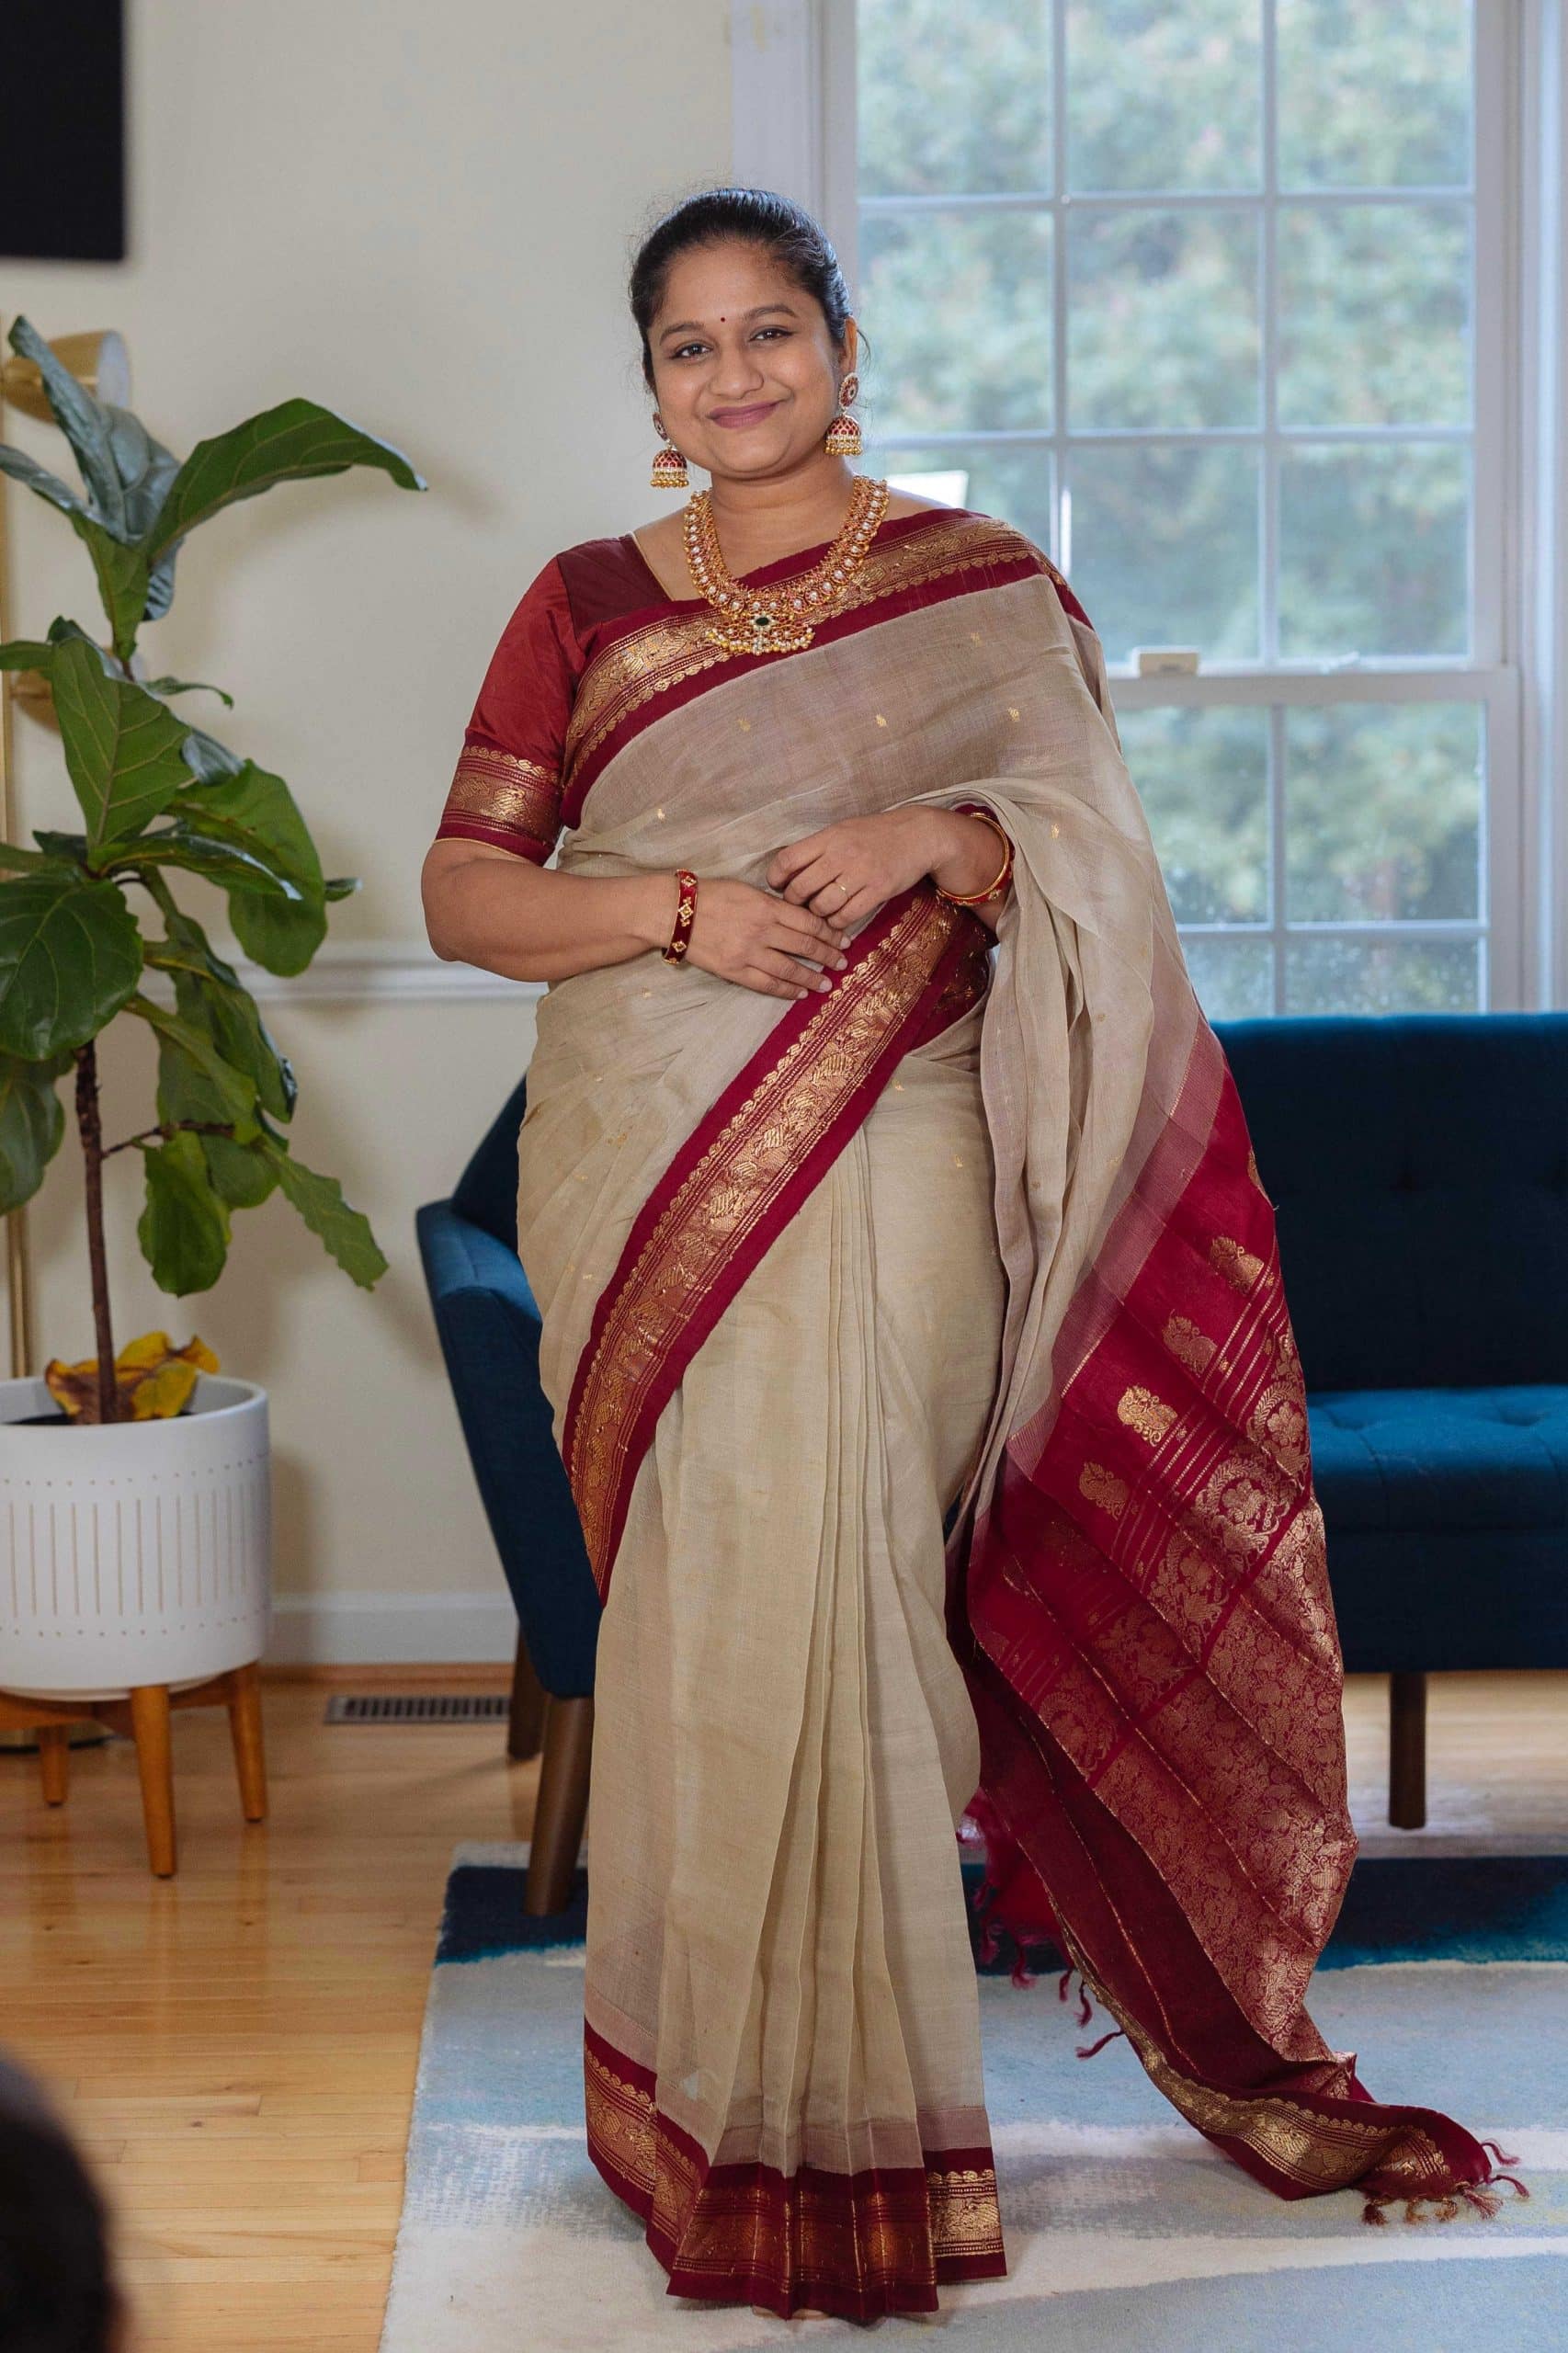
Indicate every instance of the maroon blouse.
{"type": "Point", "coordinates": [506, 788]}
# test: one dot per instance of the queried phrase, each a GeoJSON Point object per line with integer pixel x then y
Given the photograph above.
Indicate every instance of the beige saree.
{"type": "Point", "coordinates": [972, 1235]}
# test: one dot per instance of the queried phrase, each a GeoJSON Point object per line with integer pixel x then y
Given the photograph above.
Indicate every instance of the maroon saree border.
{"type": "Point", "coordinates": [1143, 1621]}
{"type": "Point", "coordinates": [855, 2244]}
{"type": "Point", "coordinates": [740, 1176]}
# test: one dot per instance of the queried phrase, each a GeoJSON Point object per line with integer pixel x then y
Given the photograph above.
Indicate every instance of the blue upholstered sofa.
{"type": "Point", "coordinates": [1418, 1164]}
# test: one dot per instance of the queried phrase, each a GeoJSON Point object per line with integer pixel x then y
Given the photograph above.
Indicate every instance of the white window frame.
{"type": "Point", "coordinates": [793, 93]}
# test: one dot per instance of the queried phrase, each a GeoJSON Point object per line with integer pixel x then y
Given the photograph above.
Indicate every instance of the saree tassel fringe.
{"type": "Point", "coordinates": [1444, 2210]}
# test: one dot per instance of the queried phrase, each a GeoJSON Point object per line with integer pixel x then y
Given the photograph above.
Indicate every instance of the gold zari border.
{"type": "Point", "coordinates": [737, 1180]}
{"type": "Point", "coordinates": [517, 796]}
{"type": "Point", "coordinates": [1324, 2152]}
{"type": "Point", "coordinates": [719, 2228]}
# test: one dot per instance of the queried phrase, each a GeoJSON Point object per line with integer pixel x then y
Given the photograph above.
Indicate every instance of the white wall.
{"type": "Point", "coordinates": [421, 216]}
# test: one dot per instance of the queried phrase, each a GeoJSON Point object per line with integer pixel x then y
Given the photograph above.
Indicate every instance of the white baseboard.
{"type": "Point", "coordinates": [392, 1630]}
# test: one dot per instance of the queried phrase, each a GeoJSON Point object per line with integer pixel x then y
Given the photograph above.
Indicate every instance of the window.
{"type": "Point", "coordinates": [1205, 296]}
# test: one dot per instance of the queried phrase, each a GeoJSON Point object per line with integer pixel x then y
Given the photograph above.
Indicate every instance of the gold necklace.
{"type": "Point", "coordinates": [779, 618]}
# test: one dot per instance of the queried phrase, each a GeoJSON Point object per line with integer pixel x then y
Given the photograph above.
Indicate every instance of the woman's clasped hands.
{"type": "Point", "coordinates": [787, 939]}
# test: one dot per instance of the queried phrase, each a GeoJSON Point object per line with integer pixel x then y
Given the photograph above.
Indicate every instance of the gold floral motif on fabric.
{"type": "Point", "coordinates": [1103, 1489]}
{"type": "Point", "coordinates": [758, 2221]}
{"type": "Point", "coordinates": [737, 1180]}
{"type": "Point", "coordinates": [1243, 1502]}
{"type": "Point", "coordinates": [1188, 1344]}
{"type": "Point", "coordinates": [1145, 1412]}
{"type": "Point", "coordinates": [515, 796]}
{"type": "Point", "coordinates": [1240, 1266]}
{"type": "Point", "coordinates": [619, 2119]}
{"type": "Point", "coordinates": [966, 2219]}
{"type": "Point", "coordinates": [649, 661]}
{"type": "Point", "coordinates": [1277, 1427]}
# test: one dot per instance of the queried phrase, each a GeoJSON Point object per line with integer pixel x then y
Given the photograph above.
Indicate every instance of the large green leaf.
{"type": "Point", "coordinates": [23, 469]}
{"type": "Point", "coordinates": [33, 1121]}
{"type": "Point", "coordinates": [319, 1199]}
{"type": "Point", "coordinates": [70, 957]}
{"type": "Point", "coordinates": [195, 1081]}
{"type": "Point", "coordinates": [256, 812]}
{"type": "Point", "coordinates": [62, 849]}
{"type": "Point", "coordinates": [240, 1174]}
{"type": "Point", "coordinates": [38, 860]}
{"type": "Point", "coordinates": [27, 654]}
{"type": "Point", "coordinates": [184, 1228]}
{"type": "Point", "coordinates": [85, 421]}
{"type": "Point", "coordinates": [211, 996]}
{"type": "Point", "coordinates": [203, 853]}
{"type": "Point", "coordinates": [122, 577]}
{"type": "Point", "coordinates": [122, 747]}
{"type": "Point", "coordinates": [38, 652]}
{"type": "Point", "coordinates": [128, 476]}
{"type": "Point", "coordinates": [145, 470]}
{"type": "Point", "coordinates": [292, 442]}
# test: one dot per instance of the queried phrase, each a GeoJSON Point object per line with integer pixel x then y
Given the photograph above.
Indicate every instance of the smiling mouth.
{"type": "Point", "coordinates": [752, 416]}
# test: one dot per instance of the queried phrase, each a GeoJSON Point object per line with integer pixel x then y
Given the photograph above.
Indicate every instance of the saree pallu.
{"type": "Point", "coordinates": [973, 1236]}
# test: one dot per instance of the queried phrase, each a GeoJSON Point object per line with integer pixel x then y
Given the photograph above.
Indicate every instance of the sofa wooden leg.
{"type": "Point", "coordinates": [154, 1762]}
{"type": "Point", "coordinates": [1407, 1751]}
{"type": "Point", "coordinates": [525, 1718]}
{"type": "Point", "coordinates": [562, 1806]}
{"type": "Point", "coordinates": [55, 1762]}
{"type": "Point", "coordinates": [242, 1699]}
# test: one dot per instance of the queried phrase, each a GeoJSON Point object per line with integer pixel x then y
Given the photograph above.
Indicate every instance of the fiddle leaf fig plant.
{"type": "Point", "coordinates": [159, 796]}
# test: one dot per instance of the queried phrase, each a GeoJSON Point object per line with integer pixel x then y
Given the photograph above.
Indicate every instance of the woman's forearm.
{"type": "Point", "coordinates": [966, 854]}
{"type": "Point", "coordinates": [531, 923]}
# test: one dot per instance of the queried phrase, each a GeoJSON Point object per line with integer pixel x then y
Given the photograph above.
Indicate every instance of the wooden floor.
{"type": "Point", "coordinates": [237, 2047]}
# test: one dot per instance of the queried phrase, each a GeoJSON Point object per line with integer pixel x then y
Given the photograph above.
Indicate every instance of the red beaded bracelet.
{"type": "Point", "coordinates": [686, 910]}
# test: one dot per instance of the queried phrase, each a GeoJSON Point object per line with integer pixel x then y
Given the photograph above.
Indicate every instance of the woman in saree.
{"type": "Point", "coordinates": [915, 1341]}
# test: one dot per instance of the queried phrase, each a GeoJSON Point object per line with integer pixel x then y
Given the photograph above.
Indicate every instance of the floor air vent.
{"type": "Point", "coordinates": [418, 1708]}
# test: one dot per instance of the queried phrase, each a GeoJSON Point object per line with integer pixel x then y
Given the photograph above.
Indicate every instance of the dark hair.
{"type": "Point", "coordinates": [756, 216]}
{"type": "Point", "coordinates": [57, 2290]}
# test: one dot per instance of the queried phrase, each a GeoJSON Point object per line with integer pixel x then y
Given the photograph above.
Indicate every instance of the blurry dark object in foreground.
{"type": "Point", "coordinates": [57, 2292]}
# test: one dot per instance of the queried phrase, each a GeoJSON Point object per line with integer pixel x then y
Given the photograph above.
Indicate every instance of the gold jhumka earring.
{"type": "Point", "coordinates": [669, 467]}
{"type": "Point", "coordinates": [844, 433]}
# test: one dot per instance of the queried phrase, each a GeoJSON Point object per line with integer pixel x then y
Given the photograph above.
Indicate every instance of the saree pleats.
{"type": "Point", "coordinates": [778, 1964]}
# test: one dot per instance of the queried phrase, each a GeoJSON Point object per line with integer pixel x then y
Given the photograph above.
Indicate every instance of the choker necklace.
{"type": "Point", "coordinates": [779, 618]}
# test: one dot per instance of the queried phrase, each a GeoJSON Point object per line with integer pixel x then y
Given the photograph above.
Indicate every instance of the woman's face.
{"type": "Point", "coordinates": [745, 377]}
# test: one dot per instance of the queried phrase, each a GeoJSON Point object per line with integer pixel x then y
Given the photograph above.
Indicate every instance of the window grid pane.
{"type": "Point", "coordinates": [1303, 308]}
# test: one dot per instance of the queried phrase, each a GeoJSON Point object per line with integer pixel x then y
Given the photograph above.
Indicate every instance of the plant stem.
{"type": "Point", "coordinates": [90, 1128]}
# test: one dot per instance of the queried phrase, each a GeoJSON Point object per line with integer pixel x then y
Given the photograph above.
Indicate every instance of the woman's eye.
{"type": "Point", "coordinates": [684, 350]}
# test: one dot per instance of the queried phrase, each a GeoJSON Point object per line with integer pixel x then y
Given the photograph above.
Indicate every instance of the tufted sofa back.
{"type": "Point", "coordinates": [1418, 1166]}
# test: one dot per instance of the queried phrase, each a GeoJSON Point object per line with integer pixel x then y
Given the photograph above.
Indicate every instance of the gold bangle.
{"type": "Point", "coordinates": [993, 888]}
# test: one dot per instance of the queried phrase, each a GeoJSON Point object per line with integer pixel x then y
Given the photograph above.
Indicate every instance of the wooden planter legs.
{"type": "Point", "coordinates": [144, 1718]}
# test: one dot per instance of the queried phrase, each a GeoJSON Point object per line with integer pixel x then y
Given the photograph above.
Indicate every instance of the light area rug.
{"type": "Point", "coordinates": [1126, 2231]}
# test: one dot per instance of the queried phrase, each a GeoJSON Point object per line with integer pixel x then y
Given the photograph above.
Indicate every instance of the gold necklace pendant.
{"type": "Point", "coordinates": [781, 620]}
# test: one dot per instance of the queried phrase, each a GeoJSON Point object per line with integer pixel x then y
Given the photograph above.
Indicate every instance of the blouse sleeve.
{"type": "Point", "coordinates": [506, 788]}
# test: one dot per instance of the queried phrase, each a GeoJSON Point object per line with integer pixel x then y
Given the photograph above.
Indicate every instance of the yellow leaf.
{"type": "Point", "coordinates": [152, 1376]}
{"type": "Point", "coordinates": [163, 1392]}
{"type": "Point", "coordinates": [148, 1351]}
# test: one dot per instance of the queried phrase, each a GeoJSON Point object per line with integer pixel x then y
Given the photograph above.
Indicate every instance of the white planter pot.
{"type": "Point", "coordinates": [136, 1553]}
